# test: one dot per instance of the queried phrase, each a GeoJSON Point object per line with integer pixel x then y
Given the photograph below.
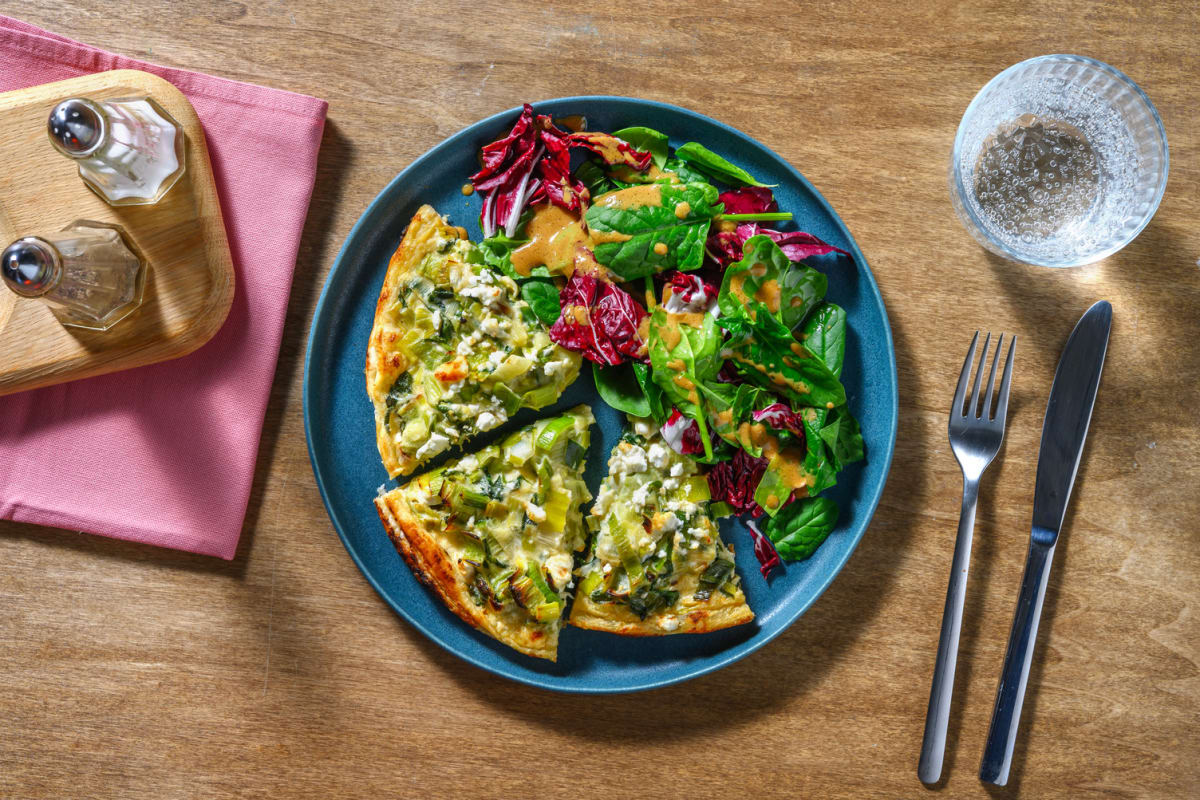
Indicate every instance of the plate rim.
{"type": "Point", "coordinates": [712, 663]}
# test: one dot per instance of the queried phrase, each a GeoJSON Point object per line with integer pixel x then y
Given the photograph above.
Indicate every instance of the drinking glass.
{"type": "Point", "coordinates": [1059, 161]}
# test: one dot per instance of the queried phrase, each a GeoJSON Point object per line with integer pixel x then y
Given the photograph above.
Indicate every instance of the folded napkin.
{"type": "Point", "coordinates": [165, 454]}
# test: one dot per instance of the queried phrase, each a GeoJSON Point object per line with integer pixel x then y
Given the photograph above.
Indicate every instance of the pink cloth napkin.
{"type": "Point", "coordinates": [165, 454]}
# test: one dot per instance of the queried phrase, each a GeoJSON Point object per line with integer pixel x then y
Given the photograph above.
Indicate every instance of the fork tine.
{"type": "Point", "coordinates": [1006, 381]}
{"type": "Point", "coordinates": [974, 399]}
{"type": "Point", "coordinates": [960, 394]}
{"type": "Point", "coordinates": [986, 410]}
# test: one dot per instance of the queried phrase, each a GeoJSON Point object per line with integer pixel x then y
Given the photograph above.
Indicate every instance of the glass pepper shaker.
{"type": "Point", "coordinates": [129, 151]}
{"type": "Point", "coordinates": [86, 273]}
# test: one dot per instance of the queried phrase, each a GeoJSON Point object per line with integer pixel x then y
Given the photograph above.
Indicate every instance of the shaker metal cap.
{"type": "Point", "coordinates": [30, 266]}
{"type": "Point", "coordinates": [76, 127]}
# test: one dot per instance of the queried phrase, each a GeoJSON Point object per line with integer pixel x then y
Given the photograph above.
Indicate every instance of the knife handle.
{"type": "Point", "coordinates": [1010, 695]}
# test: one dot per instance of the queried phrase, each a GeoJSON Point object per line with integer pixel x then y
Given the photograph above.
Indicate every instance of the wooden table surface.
{"type": "Point", "coordinates": [129, 671]}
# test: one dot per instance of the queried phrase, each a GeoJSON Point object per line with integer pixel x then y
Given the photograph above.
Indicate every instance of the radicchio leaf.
{"type": "Point", "coordinates": [726, 246]}
{"type": "Point", "coordinates": [689, 293]}
{"type": "Point", "coordinates": [600, 320]}
{"type": "Point", "coordinates": [780, 417]}
{"type": "Point", "coordinates": [735, 480]}
{"type": "Point", "coordinates": [749, 200]}
{"type": "Point", "coordinates": [764, 551]}
{"type": "Point", "coordinates": [531, 164]}
{"type": "Point", "coordinates": [613, 150]}
{"type": "Point", "coordinates": [682, 434]}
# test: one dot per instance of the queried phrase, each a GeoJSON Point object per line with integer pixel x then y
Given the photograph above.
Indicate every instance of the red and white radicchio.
{"type": "Point", "coordinates": [689, 293]}
{"type": "Point", "coordinates": [599, 320]}
{"type": "Point", "coordinates": [682, 434]}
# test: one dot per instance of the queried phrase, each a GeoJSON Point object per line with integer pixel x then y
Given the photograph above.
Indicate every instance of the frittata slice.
{"type": "Point", "coordinates": [494, 533]}
{"type": "Point", "coordinates": [454, 349]}
{"type": "Point", "coordinates": [658, 564]}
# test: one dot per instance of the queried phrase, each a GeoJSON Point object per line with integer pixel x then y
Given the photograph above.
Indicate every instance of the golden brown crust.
{"type": "Point", "coordinates": [713, 615]}
{"type": "Point", "coordinates": [384, 362]}
{"type": "Point", "coordinates": [438, 570]}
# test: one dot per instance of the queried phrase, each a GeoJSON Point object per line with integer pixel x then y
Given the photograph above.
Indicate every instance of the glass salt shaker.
{"type": "Point", "coordinates": [130, 150]}
{"type": "Point", "coordinates": [86, 273]}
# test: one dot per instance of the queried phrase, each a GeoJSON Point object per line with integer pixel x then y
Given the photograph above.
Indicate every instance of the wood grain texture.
{"type": "Point", "coordinates": [134, 672]}
{"type": "Point", "coordinates": [189, 285]}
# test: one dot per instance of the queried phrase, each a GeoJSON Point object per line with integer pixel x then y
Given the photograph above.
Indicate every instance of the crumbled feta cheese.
{"type": "Point", "coordinates": [556, 368]}
{"type": "Point", "coordinates": [676, 469]}
{"type": "Point", "coordinates": [491, 326]}
{"type": "Point", "coordinates": [559, 568]}
{"type": "Point", "coordinates": [643, 426]}
{"type": "Point", "coordinates": [686, 506]}
{"type": "Point", "coordinates": [488, 295]}
{"type": "Point", "coordinates": [627, 458]}
{"type": "Point", "coordinates": [670, 523]}
{"type": "Point", "coordinates": [660, 455]}
{"type": "Point", "coordinates": [603, 501]}
{"type": "Point", "coordinates": [662, 553]}
{"type": "Point", "coordinates": [607, 568]}
{"type": "Point", "coordinates": [641, 496]}
{"type": "Point", "coordinates": [693, 544]}
{"type": "Point", "coordinates": [696, 533]}
{"type": "Point", "coordinates": [487, 420]}
{"type": "Point", "coordinates": [468, 464]}
{"type": "Point", "coordinates": [467, 346]}
{"type": "Point", "coordinates": [435, 444]}
{"type": "Point", "coordinates": [670, 484]}
{"type": "Point", "coordinates": [496, 358]}
{"type": "Point", "coordinates": [669, 623]}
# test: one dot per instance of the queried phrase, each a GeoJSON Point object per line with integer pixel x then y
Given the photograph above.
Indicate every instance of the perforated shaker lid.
{"type": "Point", "coordinates": [30, 266]}
{"type": "Point", "coordinates": [76, 127]}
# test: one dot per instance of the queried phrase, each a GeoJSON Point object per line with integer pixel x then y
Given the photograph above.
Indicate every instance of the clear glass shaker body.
{"type": "Point", "coordinates": [86, 273]}
{"type": "Point", "coordinates": [129, 150]}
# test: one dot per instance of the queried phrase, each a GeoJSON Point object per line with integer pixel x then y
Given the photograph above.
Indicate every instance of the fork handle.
{"type": "Point", "coordinates": [933, 745]}
{"type": "Point", "coordinates": [1010, 694]}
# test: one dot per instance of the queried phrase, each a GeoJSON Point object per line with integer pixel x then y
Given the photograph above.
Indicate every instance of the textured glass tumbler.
{"type": "Point", "coordinates": [1059, 161]}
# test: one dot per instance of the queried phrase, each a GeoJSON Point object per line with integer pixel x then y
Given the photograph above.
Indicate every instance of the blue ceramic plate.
{"type": "Point", "coordinates": [341, 431]}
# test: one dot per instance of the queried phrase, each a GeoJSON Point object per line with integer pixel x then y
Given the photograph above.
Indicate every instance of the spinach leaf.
{"type": "Point", "coordinates": [542, 296]}
{"type": "Point", "coordinates": [619, 387]}
{"type": "Point", "coordinates": [767, 281]}
{"type": "Point", "coordinates": [646, 139]}
{"type": "Point", "coordinates": [740, 401]}
{"type": "Point", "coordinates": [816, 458]}
{"type": "Point", "coordinates": [712, 164]}
{"type": "Point", "coordinates": [591, 174]}
{"type": "Point", "coordinates": [656, 236]}
{"type": "Point", "coordinates": [766, 353]}
{"type": "Point", "coordinates": [659, 409]}
{"type": "Point", "coordinates": [842, 437]}
{"type": "Point", "coordinates": [801, 526]}
{"type": "Point", "coordinates": [824, 335]}
{"type": "Point", "coordinates": [684, 172]}
{"type": "Point", "coordinates": [497, 253]}
{"type": "Point", "coordinates": [683, 358]}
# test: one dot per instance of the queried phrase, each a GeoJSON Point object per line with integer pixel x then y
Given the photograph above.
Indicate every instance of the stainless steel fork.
{"type": "Point", "coordinates": [975, 436]}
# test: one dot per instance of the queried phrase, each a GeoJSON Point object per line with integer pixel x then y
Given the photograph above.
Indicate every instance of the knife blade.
{"type": "Point", "coordinates": [1064, 430]}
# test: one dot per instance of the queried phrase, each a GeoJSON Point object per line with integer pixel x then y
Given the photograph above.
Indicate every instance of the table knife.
{"type": "Point", "coordinates": [1063, 432]}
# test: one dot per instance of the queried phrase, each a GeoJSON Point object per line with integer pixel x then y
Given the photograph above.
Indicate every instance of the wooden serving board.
{"type": "Point", "coordinates": [189, 286]}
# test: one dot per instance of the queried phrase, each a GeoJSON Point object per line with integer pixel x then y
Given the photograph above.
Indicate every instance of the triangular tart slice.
{"type": "Point", "coordinates": [658, 565]}
{"type": "Point", "coordinates": [454, 348]}
{"type": "Point", "coordinates": [494, 533]}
